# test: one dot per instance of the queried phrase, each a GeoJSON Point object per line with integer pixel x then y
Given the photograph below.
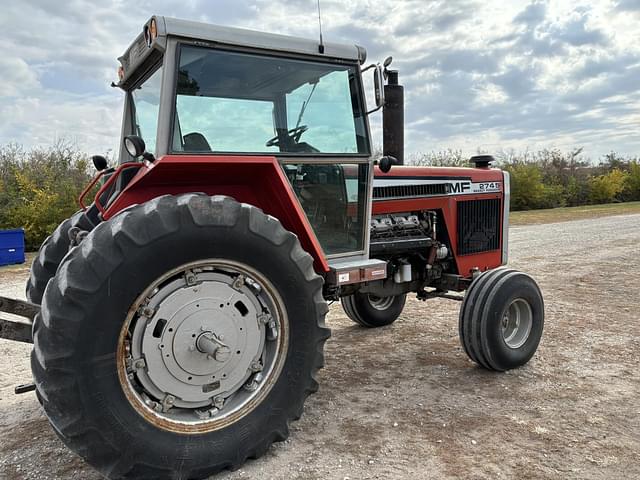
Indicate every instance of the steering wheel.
{"type": "Point", "coordinates": [293, 134]}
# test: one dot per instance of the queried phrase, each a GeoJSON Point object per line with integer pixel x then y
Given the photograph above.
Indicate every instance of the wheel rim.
{"type": "Point", "coordinates": [202, 346]}
{"type": "Point", "coordinates": [380, 303]}
{"type": "Point", "coordinates": [516, 323]}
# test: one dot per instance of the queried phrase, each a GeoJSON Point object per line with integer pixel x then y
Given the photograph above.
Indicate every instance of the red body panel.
{"type": "Point", "coordinates": [448, 205]}
{"type": "Point", "coordinates": [258, 181]}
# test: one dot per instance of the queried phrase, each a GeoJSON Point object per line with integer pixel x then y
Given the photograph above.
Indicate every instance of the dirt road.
{"type": "Point", "coordinates": [404, 401]}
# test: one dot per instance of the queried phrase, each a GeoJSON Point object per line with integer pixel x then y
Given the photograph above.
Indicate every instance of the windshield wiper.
{"type": "Point", "coordinates": [305, 103]}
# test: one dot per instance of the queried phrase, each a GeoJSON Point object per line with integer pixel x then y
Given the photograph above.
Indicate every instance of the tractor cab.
{"type": "Point", "coordinates": [202, 90]}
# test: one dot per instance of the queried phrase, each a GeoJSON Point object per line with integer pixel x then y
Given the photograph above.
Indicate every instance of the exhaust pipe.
{"type": "Point", "coordinates": [393, 118]}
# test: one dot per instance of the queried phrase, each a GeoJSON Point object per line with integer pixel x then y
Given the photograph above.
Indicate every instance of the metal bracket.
{"type": "Point", "coordinates": [19, 307]}
{"type": "Point", "coordinates": [167, 403]}
{"type": "Point", "coordinates": [424, 295]}
{"type": "Point", "coordinates": [238, 283]}
{"type": "Point", "coordinates": [15, 330]}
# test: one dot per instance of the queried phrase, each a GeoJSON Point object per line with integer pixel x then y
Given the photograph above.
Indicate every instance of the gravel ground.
{"type": "Point", "coordinates": [404, 401]}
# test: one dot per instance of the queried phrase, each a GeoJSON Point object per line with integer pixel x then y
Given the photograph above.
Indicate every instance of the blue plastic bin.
{"type": "Point", "coordinates": [11, 246]}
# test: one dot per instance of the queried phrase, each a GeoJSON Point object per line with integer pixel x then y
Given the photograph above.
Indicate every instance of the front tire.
{"type": "Point", "coordinates": [501, 319]}
{"type": "Point", "coordinates": [372, 311]}
{"type": "Point", "coordinates": [142, 280]}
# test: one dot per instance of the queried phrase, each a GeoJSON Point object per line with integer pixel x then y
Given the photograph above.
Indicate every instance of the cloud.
{"type": "Point", "coordinates": [489, 74]}
{"type": "Point", "coordinates": [575, 32]}
{"type": "Point", "coordinates": [517, 82]}
{"type": "Point", "coordinates": [532, 15]}
{"type": "Point", "coordinates": [628, 5]}
{"type": "Point", "coordinates": [17, 76]}
{"type": "Point", "coordinates": [604, 65]}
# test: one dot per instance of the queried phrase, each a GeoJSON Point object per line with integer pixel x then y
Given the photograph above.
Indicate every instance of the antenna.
{"type": "Point", "coordinates": [321, 46]}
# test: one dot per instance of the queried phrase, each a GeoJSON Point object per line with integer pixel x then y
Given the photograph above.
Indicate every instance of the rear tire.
{"type": "Point", "coordinates": [82, 359]}
{"type": "Point", "coordinates": [501, 319]}
{"type": "Point", "coordinates": [371, 311]}
{"type": "Point", "coordinates": [50, 254]}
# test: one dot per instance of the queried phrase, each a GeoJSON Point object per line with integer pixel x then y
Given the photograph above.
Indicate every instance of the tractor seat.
{"type": "Point", "coordinates": [196, 142]}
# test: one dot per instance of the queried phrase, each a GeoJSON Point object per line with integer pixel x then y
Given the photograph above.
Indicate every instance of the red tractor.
{"type": "Point", "coordinates": [179, 318]}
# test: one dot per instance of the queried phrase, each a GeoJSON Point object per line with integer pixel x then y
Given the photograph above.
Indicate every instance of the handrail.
{"type": "Point", "coordinates": [88, 188]}
{"type": "Point", "coordinates": [112, 179]}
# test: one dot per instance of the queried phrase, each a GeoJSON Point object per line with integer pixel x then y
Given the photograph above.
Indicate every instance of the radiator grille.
{"type": "Point", "coordinates": [479, 225]}
{"type": "Point", "coordinates": [400, 191]}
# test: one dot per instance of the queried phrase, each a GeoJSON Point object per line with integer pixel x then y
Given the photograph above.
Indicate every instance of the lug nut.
{"type": "Point", "coordinates": [255, 367]}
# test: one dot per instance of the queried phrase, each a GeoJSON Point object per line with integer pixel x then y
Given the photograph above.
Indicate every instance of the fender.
{"type": "Point", "coordinates": [256, 180]}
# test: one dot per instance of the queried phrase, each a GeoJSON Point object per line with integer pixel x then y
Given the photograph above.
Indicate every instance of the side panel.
{"type": "Point", "coordinates": [442, 189]}
{"type": "Point", "coordinates": [258, 181]}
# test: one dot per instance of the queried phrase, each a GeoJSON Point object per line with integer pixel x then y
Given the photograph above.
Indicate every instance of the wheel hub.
{"type": "Point", "coordinates": [202, 343]}
{"type": "Point", "coordinates": [380, 303]}
{"type": "Point", "coordinates": [211, 345]}
{"type": "Point", "coordinates": [516, 323]}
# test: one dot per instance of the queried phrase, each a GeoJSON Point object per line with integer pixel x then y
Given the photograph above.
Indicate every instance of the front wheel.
{"type": "Point", "coordinates": [372, 311]}
{"type": "Point", "coordinates": [501, 319]}
{"type": "Point", "coordinates": [179, 339]}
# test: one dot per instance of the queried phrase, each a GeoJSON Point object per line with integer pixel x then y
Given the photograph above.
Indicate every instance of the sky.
{"type": "Point", "coordinates": [479, 75]}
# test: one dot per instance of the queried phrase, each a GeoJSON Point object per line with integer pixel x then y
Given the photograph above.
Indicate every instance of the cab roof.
{"type": "Point", "coordinates": [142, 51]}
{"type": "Point", "coordinates": [259, 40]}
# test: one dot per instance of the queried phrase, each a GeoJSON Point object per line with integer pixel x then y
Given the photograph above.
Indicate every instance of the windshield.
{"type": "Point", "coordinates": [146, 103]}
{"type": "Point", "coordinates": [238, 102]}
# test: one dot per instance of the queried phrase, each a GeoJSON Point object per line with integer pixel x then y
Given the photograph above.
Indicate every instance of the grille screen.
{"type": "Point", "coordinates": [399, 191]}
{"type": "Point", "coordinates": [479, 226]}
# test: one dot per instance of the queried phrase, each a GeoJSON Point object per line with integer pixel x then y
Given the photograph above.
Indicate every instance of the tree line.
{"type": "Point", "coordinates": [552, 178]}
{"type": "Point", "coordinates": [39, 187]}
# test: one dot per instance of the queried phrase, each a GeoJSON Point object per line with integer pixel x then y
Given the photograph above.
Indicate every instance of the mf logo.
{"type": "Point", "coordinates": [458, 187]}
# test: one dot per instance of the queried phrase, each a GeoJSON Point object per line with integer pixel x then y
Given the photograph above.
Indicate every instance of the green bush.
{"type": "Point", "coordinates": [527, 189]}
{"type": "Point", "coordinates": [39, 188]}
{"type": "Point", "coordinates": [632, 185]}
{"type": "Point", "coordinates": [607, 188]}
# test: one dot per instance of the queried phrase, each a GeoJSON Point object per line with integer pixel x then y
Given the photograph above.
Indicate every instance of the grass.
{"type": "Point", "coordinates": [564, 214]}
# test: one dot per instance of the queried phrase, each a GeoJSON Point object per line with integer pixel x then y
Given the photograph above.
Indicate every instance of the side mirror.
{"type": "Point", "coordinates": [378, 82]}
{"type": "Point", "coordinates": [99, 162]}
{"type": "Point", "coordinates": [386, 162]}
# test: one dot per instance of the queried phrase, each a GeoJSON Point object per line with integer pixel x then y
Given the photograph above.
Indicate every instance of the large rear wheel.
{"type": "Point", "coordinates": [179, 339]}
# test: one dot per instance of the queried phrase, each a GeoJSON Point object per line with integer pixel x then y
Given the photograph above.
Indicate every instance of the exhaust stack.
{"type": "Point", "coordinates": [393, 118]}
